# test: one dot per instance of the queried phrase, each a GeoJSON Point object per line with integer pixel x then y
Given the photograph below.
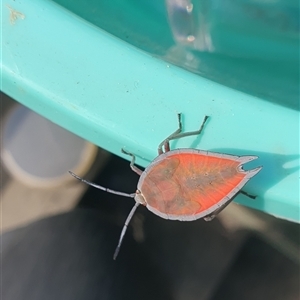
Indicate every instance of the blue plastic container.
{"type": "Point", "coordinates": [105, 70]}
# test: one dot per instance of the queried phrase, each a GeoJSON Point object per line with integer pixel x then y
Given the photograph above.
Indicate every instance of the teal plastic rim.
{"type": "Point", "coordinates": [117, 96]}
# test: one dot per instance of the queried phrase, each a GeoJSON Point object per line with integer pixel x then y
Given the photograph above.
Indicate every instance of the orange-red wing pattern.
{"type": "Point", "coordinates": [188, 183]}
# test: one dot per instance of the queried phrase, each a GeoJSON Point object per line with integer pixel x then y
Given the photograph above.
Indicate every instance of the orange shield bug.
{"type": "Point", "coordinates": [185, 184]}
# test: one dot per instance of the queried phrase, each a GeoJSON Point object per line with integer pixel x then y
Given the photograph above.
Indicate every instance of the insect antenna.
{"type": "Point", "coordinates": [124, 229]}
{"type": "Point", "coordinates": [102, 187]}
{"type": "Point", "coordinates": [116, 193]}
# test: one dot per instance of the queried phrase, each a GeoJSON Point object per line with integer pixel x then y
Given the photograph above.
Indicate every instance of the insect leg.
{"type": "Point", "coordinates": [132, 166]}
{"type": "Point", "coordinates": [217, 211]}
{"type": "Point", "coordinates": [178, 135]}
{"type": "Point", "coordinates": [166, 141]}
{"type": "Point", "coordinates": [197, 132]}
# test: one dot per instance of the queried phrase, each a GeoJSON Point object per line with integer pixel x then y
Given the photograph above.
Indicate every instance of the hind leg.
{"type": "Point", "coordinates": [217, 211]}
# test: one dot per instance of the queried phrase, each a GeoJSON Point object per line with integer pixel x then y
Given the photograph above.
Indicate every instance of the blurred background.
{"type": "Point", "coordinates": [59, 235]}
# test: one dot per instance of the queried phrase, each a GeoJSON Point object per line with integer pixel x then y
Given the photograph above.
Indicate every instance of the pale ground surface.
{"type": "Point", "coordinates": [22, 204]}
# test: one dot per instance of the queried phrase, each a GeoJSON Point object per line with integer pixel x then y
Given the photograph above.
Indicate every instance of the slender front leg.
{"type": "Point", "coordinates": [248, 195]}
{"type": "Point", "coordinates": [132, 166]}
{"type": "Point", "coordinates": [166, 141]}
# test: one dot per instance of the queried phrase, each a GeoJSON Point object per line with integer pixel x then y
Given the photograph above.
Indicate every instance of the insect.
{"type": "Point", "coordinates": [185, 184]}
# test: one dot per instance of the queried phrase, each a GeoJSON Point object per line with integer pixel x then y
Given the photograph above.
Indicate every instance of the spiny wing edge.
{"type": "Point", "coordinates": [203, 214]}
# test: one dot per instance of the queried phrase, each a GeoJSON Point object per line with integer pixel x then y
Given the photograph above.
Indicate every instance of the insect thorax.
{"type": "Point", "coordinates": [139, 198]}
